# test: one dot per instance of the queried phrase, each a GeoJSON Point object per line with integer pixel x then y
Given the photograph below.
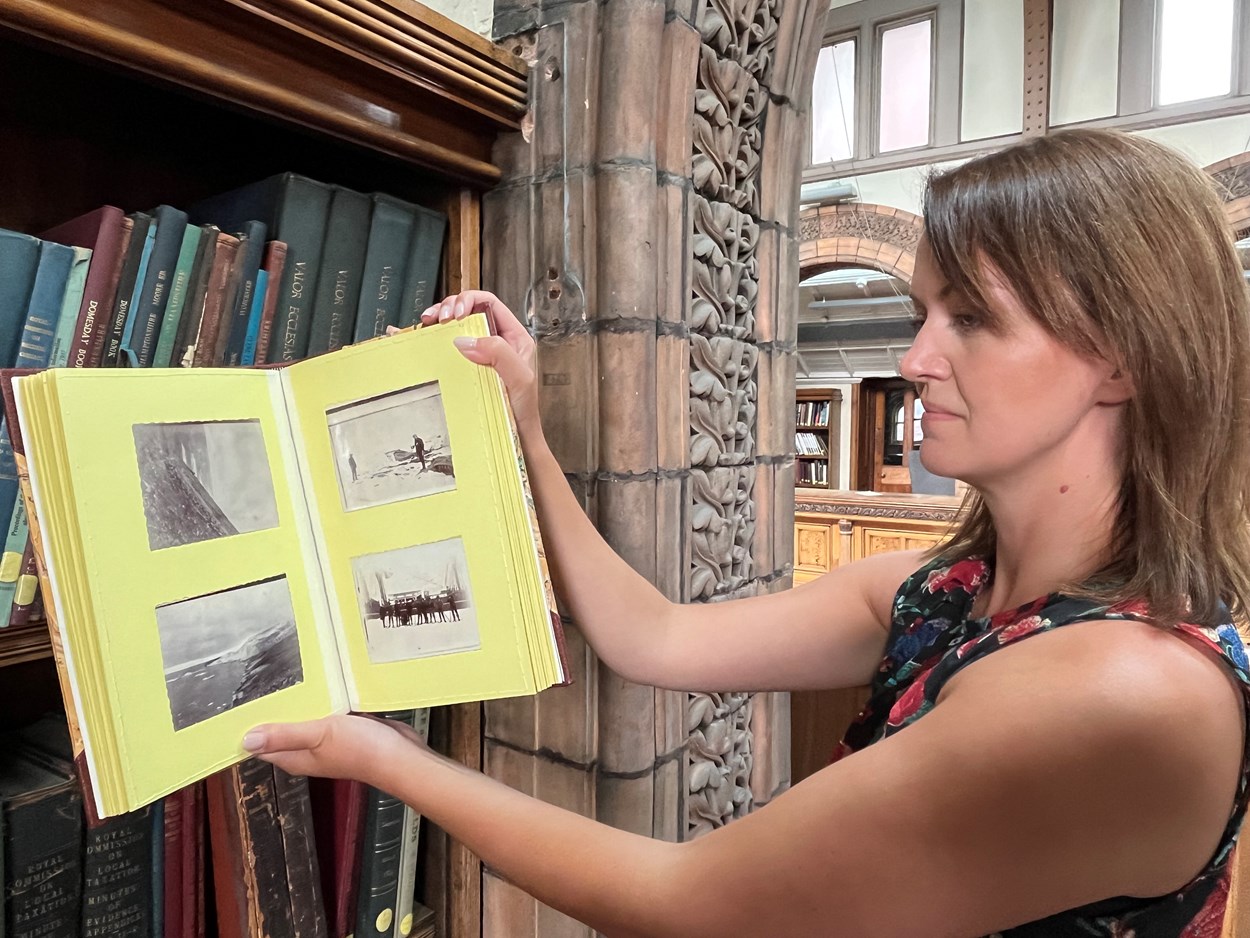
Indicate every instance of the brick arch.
{"type": "Point", "coordinates": [1232, 178]}
{"type": "Point", "coordinates": [876, 236]}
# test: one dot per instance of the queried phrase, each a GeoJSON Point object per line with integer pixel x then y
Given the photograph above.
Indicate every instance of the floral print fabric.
{"type": "Point", "coordinates": [932, 636]}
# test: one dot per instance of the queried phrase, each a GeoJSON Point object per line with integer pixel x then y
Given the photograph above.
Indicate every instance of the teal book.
{"type": "Point", "coordinates": [238, 314]}
{"type": "Point", "coordinates": [179, 290]}
{"type": "Point", "coordinates": [386, 260]}
{"type": "Point", "coordinates": [293, 209]}
{"type": "Point", "coordinates": [253, 322]}
{"type": "Point", "coordinates": [19, 258]}
{"type": "Point", "coordinates": [425, 255]}
{"type": "Point", "coordinates": [17, 533]}
{"type": "Point", "coordinates": [152, 286]}
{"type": "Point", "coordinates": [43, 312]}
{"type": "Point", "coordinates": [342, 266]}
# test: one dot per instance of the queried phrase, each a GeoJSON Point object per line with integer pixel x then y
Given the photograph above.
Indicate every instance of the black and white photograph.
{"type": "Point", "coordinates": [415, 602]}
{"type": "Point", "coordinates": [226, 649]}
{"type": "Point", "coordinates": [392, 447]}
{"type": "Point", "coordinates": [204, 480]}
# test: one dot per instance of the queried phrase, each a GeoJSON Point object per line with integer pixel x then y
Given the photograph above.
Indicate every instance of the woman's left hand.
{"type": "Point", "coordinates": [344, 746]}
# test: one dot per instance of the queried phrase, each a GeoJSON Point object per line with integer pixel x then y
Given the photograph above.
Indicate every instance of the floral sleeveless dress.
{"type": "Point", "coordinates": [932, 637]}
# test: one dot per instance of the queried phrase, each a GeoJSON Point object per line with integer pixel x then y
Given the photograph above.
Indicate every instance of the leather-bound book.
{"type": "Point", "coordinates": [248, 855]}
{"type": "Point", "coordinates": [105, 231]}
{"type": "Point", "coordinates": [339, 816]}
{"type": "Point", "coordinates": [41, 818]}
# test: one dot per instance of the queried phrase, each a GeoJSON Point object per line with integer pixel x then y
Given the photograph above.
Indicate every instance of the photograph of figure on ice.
{"type": "Point", "coordinates": [391, 447]}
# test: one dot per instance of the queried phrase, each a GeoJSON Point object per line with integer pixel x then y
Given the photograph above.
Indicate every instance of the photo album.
{"type": "Point", "coordinates": [226, 547]}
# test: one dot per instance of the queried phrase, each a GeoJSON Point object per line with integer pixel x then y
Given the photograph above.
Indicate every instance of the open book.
{"type": "Point", "coordinates": [224, 547]}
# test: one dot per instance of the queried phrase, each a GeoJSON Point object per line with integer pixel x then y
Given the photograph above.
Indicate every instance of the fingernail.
{"type": "Point", "coordinates": [459, 311]}
{"type": "Point", "coordinates": [466, 343]}
{"type": "Point", "coordinates": [254, 741]}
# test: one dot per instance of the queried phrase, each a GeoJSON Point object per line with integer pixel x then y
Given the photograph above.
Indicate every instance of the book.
{"type": "Point", "coordinates": [273, 264]}
{"type": "Point", "coordinates": [19, 259]}
{"type": "Point", "coordinates": [294, 210]}
{"type": "Point", "coordinates": [179, 289]}
{"type": "Point", "coordinates": [216, 296]}
{"type": "Point", "coordinates": [152, 291]}
{"type": "Point", "coordinates": [104, 232]}
{"type": "Point", "coordinates": [239, 308]}
{"type": "Point", "coordinates": [425, 253]}
{"type": "Point", "coordinates": [377, 885]}
{"type": "Point", "coordinates": [138, 246]}
{"type": "Point", "coordinates": [386, 260]}
{"type": "Point", "coordinates": [341, 269]}
{"type": "Point", "coordinates": [116, 855]}
{"type": "Point", "coordinates": [338, 823]}
{"type": "Point", "coordinates": [276, 549]}
{"type": "Point", "coordinates": [410, 838]}
{"type": "Point", "coordinates": [42, 823]}
{"type": "Point", "coordinates": [197, 289]}
{"type": "Point", "coordinates": [248, 355]}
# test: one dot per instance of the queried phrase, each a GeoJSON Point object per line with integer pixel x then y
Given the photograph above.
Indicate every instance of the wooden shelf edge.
{"type": "Point", "coordinates": [417, 88]}
{"type": "Point", "coordinates": [19, 645]}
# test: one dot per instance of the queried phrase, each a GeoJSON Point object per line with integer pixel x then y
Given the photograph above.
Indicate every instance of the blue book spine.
{"type": "Point", "coordinates": [19, 258]}
{"type": "Point", "coordinates": [126, 352]}
{"type": "Point", "coordinates": [251, 251]}
{"type": "Point", "coordinates": [18, 529]}
{"type": "Point", "coordinates": [253, 321]}
{"type": "Point", "coordinates": [158, 282]}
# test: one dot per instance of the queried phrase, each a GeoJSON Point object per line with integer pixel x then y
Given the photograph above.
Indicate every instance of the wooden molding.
{"type": "Point", "coordinates": [944, 508]}
{"type": "Point", "coordinates": [388, 75]}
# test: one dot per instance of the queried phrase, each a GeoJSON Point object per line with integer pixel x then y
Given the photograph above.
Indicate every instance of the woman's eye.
{"type": "Point", "coordinates": [965, 322]}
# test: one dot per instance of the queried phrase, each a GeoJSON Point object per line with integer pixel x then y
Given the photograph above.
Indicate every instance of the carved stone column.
{"type": "Point", "coordinates": [646, 226]}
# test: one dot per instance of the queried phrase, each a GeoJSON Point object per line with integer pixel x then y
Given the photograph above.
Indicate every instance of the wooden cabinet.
{"type": "Point", "coordinates": [817, 429]}
{"type": "Point", "coordinates": [831, 529]}
{"type": "Point", "coordinates": [139, 102]}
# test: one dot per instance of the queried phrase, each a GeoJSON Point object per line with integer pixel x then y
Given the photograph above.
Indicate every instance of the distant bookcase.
{"type": "Point", "coordinates": [136, 103]}
{"type": "Point", "coordinates": [817, 428]}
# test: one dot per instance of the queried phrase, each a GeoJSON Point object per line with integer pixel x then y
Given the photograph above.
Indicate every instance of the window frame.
{"type": "Point", "coordinates": [881, 27]}
{"type": "Point", "coordinates": [1136, 99]}
{"type": "Point", "coordinates": [833, 39]}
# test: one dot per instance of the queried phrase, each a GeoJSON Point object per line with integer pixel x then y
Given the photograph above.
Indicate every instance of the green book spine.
{"type": "Point", "coordinates": [178, 292]}
{"type": "Point", "coordinates": [342, 267]}
{"type": "Point", "coordinates": [425, 253]}
{"type": "Point", "coordinates": [386, 260]}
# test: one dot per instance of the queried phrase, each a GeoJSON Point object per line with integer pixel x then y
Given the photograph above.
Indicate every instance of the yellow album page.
{"type": "Point", "coordinates": [192, 558]}
{"type": "Point", "coordinates": [430, 566]}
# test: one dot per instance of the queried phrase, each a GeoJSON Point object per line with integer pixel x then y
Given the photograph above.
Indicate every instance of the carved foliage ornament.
{"type": "Point", "coordinates": [723, 527]}
{"type": "Point", "coordinates": [718, 782]}
{"type": "Point", "coordinates": [898, 231]}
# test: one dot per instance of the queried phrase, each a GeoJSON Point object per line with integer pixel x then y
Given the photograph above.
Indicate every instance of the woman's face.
{"type": "Point", "coordinates": [1002, 397]}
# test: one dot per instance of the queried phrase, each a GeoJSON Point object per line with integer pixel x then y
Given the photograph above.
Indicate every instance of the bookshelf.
{"type": "Point", "coordinates": [817, 427]}
{"type": "Point", "coordinates": [138, 102]}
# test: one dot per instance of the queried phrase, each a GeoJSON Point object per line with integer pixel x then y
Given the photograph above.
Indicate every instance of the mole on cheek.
{"type": "Point", "coordinates": [1063, 490]}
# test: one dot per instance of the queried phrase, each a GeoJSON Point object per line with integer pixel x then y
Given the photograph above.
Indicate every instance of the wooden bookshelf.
{"type": "Point", "coordinates": [139, 102]}
{"type": "Point", "coordinates": [817, 428]}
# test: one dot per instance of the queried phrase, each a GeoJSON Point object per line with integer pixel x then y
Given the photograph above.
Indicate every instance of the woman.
{"type": "Point", "coordinates": [1073, 696]}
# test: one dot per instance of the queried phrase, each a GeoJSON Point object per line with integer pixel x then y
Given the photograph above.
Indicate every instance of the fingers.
{"type": "Point", "coordinates": [459, 305]}
{"type": "Point", "coordinates": [272, 738]}
{"type": "Point", "coordinates": [495, 351]}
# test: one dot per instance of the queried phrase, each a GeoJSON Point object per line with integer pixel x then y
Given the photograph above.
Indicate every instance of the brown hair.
{"type": "Point", "coordinates": [1120, 247]}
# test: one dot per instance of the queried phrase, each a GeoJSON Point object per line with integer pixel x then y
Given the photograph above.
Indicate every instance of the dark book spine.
{"type": "Point", "coordinates": [274, 264]}
{"type": "Point", "coordinates": [424, 257]}
{"type": "Point", "coordinates": [381, 289]}
{"type": "Point", "coordinates": [378, 887]}
{"type": "Point", "coordinates": [125, 288]}
{"type": "Point", "coordinates": [176, 824]}
{"type": "Point", "coordinates": [342, 266]}
{"type": "Point", "coordinates": [251, 250]}
{"type": "Point", "coordinates": [249, 860]}
{"type": "Point", "coordinates": [215, 299]}
{"type": "Point", "coordinates": [171, 224]}
{"type": "Point", "coordinates": [308, 912]}
{"type": "Point", "coordinates": [43, 864]}
{"type": "Point", "coordinates": [189, 326]}
{"type": "Point", "coordinates": [117, 892]}
{"type": "Point", "coordinates": [302, 223]}
{"type": "Point", "coordinates": [19, 261]}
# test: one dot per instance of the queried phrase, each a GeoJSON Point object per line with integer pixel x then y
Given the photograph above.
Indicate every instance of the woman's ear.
{"type": "Point", "coordinates": [1117, 386]}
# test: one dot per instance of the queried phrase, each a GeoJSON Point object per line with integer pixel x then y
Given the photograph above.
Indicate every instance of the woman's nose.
{"type": "Point", "coordinates": [924, 361]}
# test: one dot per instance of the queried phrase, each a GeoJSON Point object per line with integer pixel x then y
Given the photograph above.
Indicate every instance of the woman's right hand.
{"type": "Point", "coordinates": [510, 351]}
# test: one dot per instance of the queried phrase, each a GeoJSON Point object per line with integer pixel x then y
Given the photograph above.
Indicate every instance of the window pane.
{"type": "Point", "coordinates": [833, 104]}
{"type": "Point", "coordinates": [906, 75]}
{"type": "Point", "coordinates": [1195, 50]}
{"type": "Point", "coordinates": [1084, 60]}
